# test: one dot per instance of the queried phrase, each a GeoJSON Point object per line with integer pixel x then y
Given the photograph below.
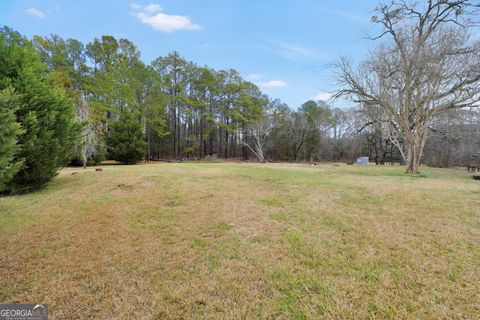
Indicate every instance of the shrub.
{"type": "Point", "coordinates": [125, 139]}
{"type": "Point", "coordinates": [45, 114]}
{"type": "Point", "coordinates": [9, 131]}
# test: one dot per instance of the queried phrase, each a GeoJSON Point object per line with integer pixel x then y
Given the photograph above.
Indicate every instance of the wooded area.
{"type": "Point", "coordinates": [189, 112]}
{"type": "Point", "coordinates": [415, 98]}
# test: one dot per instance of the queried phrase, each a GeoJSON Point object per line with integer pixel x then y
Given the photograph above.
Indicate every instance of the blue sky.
{"type": "Point", "coordinates": [286, 47]}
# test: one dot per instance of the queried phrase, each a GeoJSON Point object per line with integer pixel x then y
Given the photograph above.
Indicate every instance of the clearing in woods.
{"type": "Point", "coordinates": [245, 241]}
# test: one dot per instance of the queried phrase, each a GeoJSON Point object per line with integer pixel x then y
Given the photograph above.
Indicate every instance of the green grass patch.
{"type": "Point", "coordinates": [246, 241]}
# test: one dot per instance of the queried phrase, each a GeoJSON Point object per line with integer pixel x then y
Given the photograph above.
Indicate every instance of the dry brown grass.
{"type": "Point", "coordinates": [245, 241]}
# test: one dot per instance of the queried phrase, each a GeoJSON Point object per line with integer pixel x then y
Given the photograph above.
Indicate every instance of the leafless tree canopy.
{"type": "Point", "coordinates": [427, 65]}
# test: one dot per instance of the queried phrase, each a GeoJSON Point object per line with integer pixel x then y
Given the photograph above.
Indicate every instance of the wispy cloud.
{"type": "Point", "coordinates": [299, 53]}
{"type": "Point", "coordinates": [323, 96]}
{"type": "Point", "coordinates": [152, 8]}
{"type": "Point", "coordinates": [35, 13]}
{"type": "Point", "coordinates": [151, 15]}
{"type": "Point", "coordinates": [135, 6]}
{"type": "Point", "coordinates": [273, 84]}
{"type": "Point", "coordinates": [352, 17]}
{"type": "Point", "coordinates": [294, 51]}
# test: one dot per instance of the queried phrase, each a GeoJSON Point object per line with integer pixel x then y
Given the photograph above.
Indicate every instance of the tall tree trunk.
{"type": "Point", "coordinates": [414, 151]}
{"type": "Point", "coordinates": [219, 139]}
{"type": "Point", "coordinates": [84, 160]}
{"type": "Point", "coordinates": [149, 145]}
{"type": "Point", "coordinates": [244, 141]}
{"type": "Point", "coordinates": [233, 144]}
{"type": "Point", "coordinates": [226, 140]}
{"type": "Point", "coordinates": [178, 128]}
{"type": "Point", "coordinates": [175, 133]}
{"type": "Point", "coordinates": [210, 143]}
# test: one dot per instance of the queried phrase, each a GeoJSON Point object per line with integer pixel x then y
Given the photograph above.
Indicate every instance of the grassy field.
{"type": "Point", "coordinates": [245, 241]}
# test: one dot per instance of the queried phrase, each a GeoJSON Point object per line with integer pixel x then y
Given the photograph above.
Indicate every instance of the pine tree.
{"type": "Point", "coordinates": [9, 130]}
{"type": "Point", "coordinates": [125, 139]}
{"type": "Point", "coordinates": [45, 114]}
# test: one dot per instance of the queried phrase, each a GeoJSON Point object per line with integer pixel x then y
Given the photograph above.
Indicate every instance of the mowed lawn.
{"type": "Point", "coordinates": [245, 241]}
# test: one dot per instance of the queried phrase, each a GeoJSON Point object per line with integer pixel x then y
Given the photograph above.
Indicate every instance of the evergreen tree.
{"type": "Point", "coordinates": [44, 112]}
{"type": "Point", "coordinates": [125, 139]}
{"type": "Point", "coordinates": [9, 130]}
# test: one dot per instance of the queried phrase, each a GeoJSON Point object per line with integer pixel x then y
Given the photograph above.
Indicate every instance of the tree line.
{"type": "Point", "coordinates": [65, 102]}
{"type": "Point", "coordinates": [184, 111]}
{"type": "Point", "coordinates": [415, 98]}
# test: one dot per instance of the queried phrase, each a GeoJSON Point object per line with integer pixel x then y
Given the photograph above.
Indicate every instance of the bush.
{"type": "Point", "coordinates": [125, 140]}
{"type": "Point", "coordinates": [45, 114]}
{"type": "Point", "coordinates": [212, 158]}
{"type": "Point", "coordinates": [9, 131]}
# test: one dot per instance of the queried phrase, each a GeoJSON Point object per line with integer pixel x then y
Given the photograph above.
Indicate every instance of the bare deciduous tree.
{"type": "Point", "coordinates": [89, 142]}
{"type": "Point", "coordinates": [258, 135]}
{"type": "Point", "coordinates": [428, 66]}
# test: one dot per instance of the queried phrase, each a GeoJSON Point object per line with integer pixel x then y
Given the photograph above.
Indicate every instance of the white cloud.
{"type": "Point", "coordinates": [135, 6]}
{"type": "Point", "coordinates": [152, 8]}
{"type": "Point", "coordinates": [152, 16]}
{"type": "Point", "coordinates": [323, 96]}
{"type": "Point", "coordinates": [273, 84]}
{"type": "Point", "coordinates": [262, 81]}
{"type": "Point", "coordinates": [35, 13]}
